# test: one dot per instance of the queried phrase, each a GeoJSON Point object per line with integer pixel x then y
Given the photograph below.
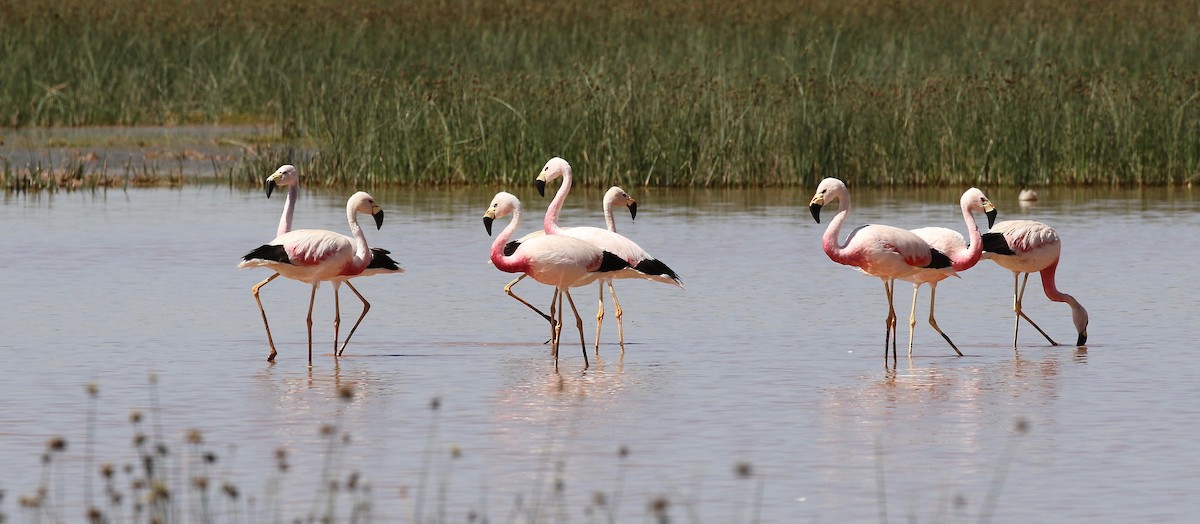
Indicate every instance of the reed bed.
{"type": "Point", "coordinates": [668, 93]}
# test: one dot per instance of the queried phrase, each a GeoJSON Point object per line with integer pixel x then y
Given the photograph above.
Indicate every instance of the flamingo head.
{"type": "Point", "coordinates": [286, 175]}
{"type": "Point", "coordinates": [974, 200]}
{"type": "Point", "coordinates": [616, 195]}
{"type": "Point", "coordinates": [1080, 317]}
{"type": "Point", "coordinates": [361, 202]}
{"type": "Point", "coordinates": [829, 190]}
{"type": "Point", "coordinates": [503, 204]}
{"type": "Point", "coordinates": [554, 168]}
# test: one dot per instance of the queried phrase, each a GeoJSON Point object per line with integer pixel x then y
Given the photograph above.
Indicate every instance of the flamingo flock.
{"type": "Point", "coordinates": [569, 257]}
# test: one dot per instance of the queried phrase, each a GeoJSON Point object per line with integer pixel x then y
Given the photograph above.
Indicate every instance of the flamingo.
{"type": "Point", "coordinates": [315, 255]}
{"type": "Point", "coordinates": [615, 195]}
{"type": "Point", "coordinates": [885, 252]}
{"type": "Point", "coordinates": [642, 264]}
{"type": "Point", "coordinates": [963, 255]}
{"type": "Point", "coordinates": [287, 175]}
{"type": "Point", "coordinates": [557, 261]}
{"type": "Point", "coordinates": [1025, 246]}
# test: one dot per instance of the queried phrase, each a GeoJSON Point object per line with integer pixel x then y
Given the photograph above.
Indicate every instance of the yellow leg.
{"type": "Point", "coordinates": [912, 318]}
{"type": "Point", "coordinates": [271, 341]}
{"type": "Point", "coordinates": [617, 312]}
{"type": "Point", "coordinates": [311, 299]}
{"type": "Point", "coordinates": [932, 322]}
{"type": "Point", "coordinates": [366, 308]}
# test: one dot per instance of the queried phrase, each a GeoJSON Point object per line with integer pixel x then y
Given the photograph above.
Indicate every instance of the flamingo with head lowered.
{"type": "Point", "coordinates": [381, 261]}
{"type": "Point", "coordinates": [1025, 246]}
{"type": "Point", "coordinates": [642, 264]}
{"type": "Point", "coordinates": [557, 261]}
{"type": "Point", "coordinates": [314, 256]}
{"type": "Point", "coordinates": [963, 254]}
{"type": "Point", "coordinates": [885, 252]}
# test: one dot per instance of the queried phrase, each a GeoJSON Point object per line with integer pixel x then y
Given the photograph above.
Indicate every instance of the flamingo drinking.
{"type": "Point", "coordinates": [1025, 246]}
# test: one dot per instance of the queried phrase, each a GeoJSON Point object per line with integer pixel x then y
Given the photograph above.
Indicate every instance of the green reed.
{"type": "Point", "coordinates": [678, 93]}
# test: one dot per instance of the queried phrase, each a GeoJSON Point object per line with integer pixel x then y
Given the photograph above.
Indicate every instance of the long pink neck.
{"type": "Point", "coordinates": [551, 222]}
{"type": "Point", "coordinates": [829, 241]}
{"type": "Point", "coordinates": [289, 208]}
{"type": "Point", "coordinates": [508, 264]}
{"type": "Point", "coordinates": [964, 260]}
{"type": "Point", "coordinates": [1048, 286]}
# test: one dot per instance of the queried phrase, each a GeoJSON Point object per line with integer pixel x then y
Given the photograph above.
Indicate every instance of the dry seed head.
{"type": "Point", "coordinates": [1021, 426]}
{"type": "Point", "coordinates": [106, 471]}
{"type": "Point", "coordinates": [194, 436]}
{"type": "Point", "coordinates": [230, 490]}
{"type": "Point", "coordinates": [346, 393]}
{"type": "Point", "coordinates": [92, 391]}
{"type": "Point", "coordinates": [56, 444]}
{"type": "Point", "coordinates": [744, 470]}
{"type": "Point", "coordinates": [135, 416]}
{"type": "Point", "coordinates": [326, 430]}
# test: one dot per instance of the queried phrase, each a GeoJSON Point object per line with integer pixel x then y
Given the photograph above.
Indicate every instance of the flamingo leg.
{"type": "Point", "coordinates": [555, 306]}
{"type": "Point", "coordinates": [254, 290]}
{"type": "Point", "coordinates": [553, 299]}
{"type": "Point", "coordinates": [912, 318]}
{"type": "Point", "coordinates": [557, 328]}
{"type": "Point", "coordinates": [508, 290]}
{"type": "Point", "coordinates": [932, 322]}
{"type": "Point", "coordinates": [311, 299]}
{"type": "Point", "coordinates": [889, 286]}
{"type": "Point", "coordinates": [366, 308]}
{"type": "Point", "coordinates": [579, 326]}
{"type": "Point", "coordinates": [1021, 314]}
{"type": "Point", "coordinates": [337, 316]}
{"type": "Point", "coordinates": [617, 312]}
{"type": "Point", "coordinates": [599, 318]}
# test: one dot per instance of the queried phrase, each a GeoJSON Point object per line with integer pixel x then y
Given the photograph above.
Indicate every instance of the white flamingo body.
{"type": "Point", "coordinates": [963, 253]}
{"type": "Point", "coordinates": [1024, 247]}
{"type": "Point", "coordinates": [552, 260]}
{"type": "Point", "coordinates": [881, 251]}
{"type": "Point", "coordinates": [642, 264]}
{"type": "Point", "coordinates": [314, 256]}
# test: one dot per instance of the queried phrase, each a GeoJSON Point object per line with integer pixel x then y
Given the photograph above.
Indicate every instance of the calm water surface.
{"type": "Point", "coordinates": [769, 360]}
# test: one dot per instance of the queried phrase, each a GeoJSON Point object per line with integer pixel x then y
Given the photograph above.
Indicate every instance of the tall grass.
{"type": "Point", "coordinates": [675, 92]}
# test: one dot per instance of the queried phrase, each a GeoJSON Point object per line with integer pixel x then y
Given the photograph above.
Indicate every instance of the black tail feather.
{"type": "Point", "coordinates": [995, 243]}
{"type": "Point", "coordinates": [381, 260]}
{"type": "Point", "coordinates": [611, 262]}
{"type": "Point", "coordinates": [272, 252]}
{"type": "Point", "coordinates": [939, 261]}
{"type": "Point", "coordinates": [655, 267]}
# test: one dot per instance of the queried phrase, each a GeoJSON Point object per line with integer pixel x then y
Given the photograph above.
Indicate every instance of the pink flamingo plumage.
{"type": "Point", "coordinates": [642, 264]}
{"type": "Point", "coordinates": [885, 252]}
{"type": "Point", "coordinates": [1025, 246]}
{"type": "Point", "coordinates": [553, 260]}
{"type": "Point", "coordinates": [315, 255]}
{"type": "Point", "coordinates": [381, 262]}
{"type": "Point", "coordinates": [614, 196]}
{"type": "Point", "coordinates": [963, 254]}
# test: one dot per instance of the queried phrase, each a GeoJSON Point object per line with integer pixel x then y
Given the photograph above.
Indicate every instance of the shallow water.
{"type": "Point", "coordinates": [770, 359]}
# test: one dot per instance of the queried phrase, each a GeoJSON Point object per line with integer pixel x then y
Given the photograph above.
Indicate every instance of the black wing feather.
{"type": "Point", "coordinates": [939, 261]}
{"type": "Point", "coordinates": [611, 262]}
{"type": "Point", "coordinates": [381, 260]}
{"type": "Point", "coordinates": [654, 266]}
{"type": "Point", "coordinates": [995, 243]}
{"type": "Point", "coordinates": [272, 252]}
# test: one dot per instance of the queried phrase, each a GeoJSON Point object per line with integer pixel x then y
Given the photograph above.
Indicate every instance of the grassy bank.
{"type": "Point", "coordinates": [674, 92]}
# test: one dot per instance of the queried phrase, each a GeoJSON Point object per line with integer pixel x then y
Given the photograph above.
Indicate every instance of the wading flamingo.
{"type": "Point", "coordinates": [316, 255]}
{"type": "Point", "coordinates": [1025, 246]}
{"type": "Point", "coordinates": [643, 265]}
{"type": "Point", "coordinates": [963, 255]}
{"type": "Point", "coordinates": [614, 196]}
{"type": "Point", "coordinates": [885, 252]}
{"type": "Point", "coordinates": [557, 261]}
{"type": "Point", "coordinates": [381, 262]}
